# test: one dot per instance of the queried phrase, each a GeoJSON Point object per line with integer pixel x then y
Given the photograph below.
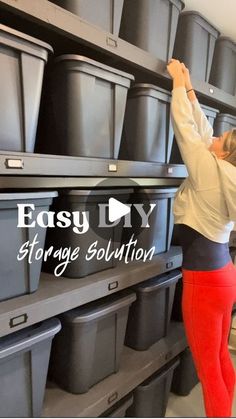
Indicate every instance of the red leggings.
{"type": "Point", "coordinates": [208, 297]}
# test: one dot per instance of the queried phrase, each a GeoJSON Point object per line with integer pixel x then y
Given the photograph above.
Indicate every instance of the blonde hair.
{"type": "Point", "coordinates": [230, 146]}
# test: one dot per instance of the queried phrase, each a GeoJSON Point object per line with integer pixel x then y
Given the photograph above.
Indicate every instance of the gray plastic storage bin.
{"type": "Point", "coordinates": [211, 115]}
{"type": "Point", "coordinates": [151, 25]}
{"type": "Point", "coordinates": [88, 101]}
{"type": "Point", "coordinates": [149, 316]}
{"type": "Point", "coordinates": [223, 70]}
{"type": "Point", "coordinates": [86, 200]}
{"type": "Point", "coordinates": [224, 122]}
{"type": "Point", "coordinates": [161, 220]}
{"type": "Point", "coordinates": [22, 61]}
{"type": "Point", "coordinates": [89, 347]}
{"type": "Point", "coordinates": [195, 43]}
{"type": "Point", "coordinates": [119, 409]}
{"type": "Point", "coordinates": [20, 277]}
{"type": "Point", "coordinates": [106, 16]}
{"type": "Point", "coordinates": [185, 375]}
{"type": "Point", "coordinates": [24, 358]}
{"type": "Point", "coordinates": [148, 133]}
{"type": "Point", "coordinates": [151, 397]}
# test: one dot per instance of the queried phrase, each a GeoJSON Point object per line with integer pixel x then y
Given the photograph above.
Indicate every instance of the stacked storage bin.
{"type": "Point", "coordinates": [87, 101]}
{"type": "Point", "coordinates": [90, 344]}
{"type": "Point", "coordinates": [151, 25]}
{"type": "Point", "coordinates": [86, 201]}
{"type": "Point", "coordinates": [195, 43]}
{"type": "Point", "coordinates": [224, 122]}
{"type": "Point", "coordinates": [223, 71]}
{"type": "Point", "coordinates": [151, 397]}
{"type": "Point", "coordinates": [107, 16]}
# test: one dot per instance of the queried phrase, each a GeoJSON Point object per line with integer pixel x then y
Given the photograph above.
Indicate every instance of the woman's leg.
{"type": "Point", "coordinates": [227, 367]}
{"type": "Point", "coordinates": [203, 309]}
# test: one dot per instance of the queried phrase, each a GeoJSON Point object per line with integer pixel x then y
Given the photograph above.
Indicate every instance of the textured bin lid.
{"type": "Point", "coordinates": [27, 195]}
{"type": "Point", "coordinates": [201, 20]}
{"type": "Point", "coordinates": [147, 89]}
{"type": "Point", "coordinates": [225, 117]}
{"type": "Point", "coordinates": [228, 42]}
{"type": "Point", "coordinates": [100, 308]}
{"type": "Point", "coordinates": [156, 191]}
{"type": "Point", "coordinates": [153, 284]}
{"type": "Point", "coordinates": [82, 59]}
{"type": "Point", "coordinates": [97, 192]}
{"type": "Point", "coordinates": [25, 37]}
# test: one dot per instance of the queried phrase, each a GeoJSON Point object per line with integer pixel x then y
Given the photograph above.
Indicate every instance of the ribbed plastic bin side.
{"type": "Point", "coordinates": [185, 375]}
{"type": "Point", "coordinates": [150, 314]}
{"type": "Point", "coordinates": [148, 133]}
{"type": "Point", "coordinates": [195, 43]}
{"type": "Point", "coordinates": [18, 277]}
{"type": "Point", "coordinates": [224, 122]}
{"type": "Point", "coordinates": [161, 221]}
{"type": "Point", "coordinates": [87, 101]}
{"type": "Point", "coordinates": [22, 62]}
{"type": "Point", "coordinates": [151, 397]}
{"type": "Point", "coordinates": [119, 409]}
{"type": "Point", "coordinates": [232, 239]}
{"type": "Point", "coordinates": [95, 238]}
{"type": "Point", "coordinates": [223, 70]}
{"type": "Point", "coordinates": [151, 25]}
{"type": "Point", "coordinates": [24, 358]}
{"type": "Point", "coordinates": [211, 115]}
{"type": "Point", "coordinates": [107, 15]}
{"type": "Point", "coordinates": [89, 347]}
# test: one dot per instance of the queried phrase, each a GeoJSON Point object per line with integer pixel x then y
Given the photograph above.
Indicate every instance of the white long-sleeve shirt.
{"type": "Point", "coordinates": [206, 200]}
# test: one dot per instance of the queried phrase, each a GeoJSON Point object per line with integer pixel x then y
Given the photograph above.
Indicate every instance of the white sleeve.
{"type": "Point", "coordinates": [198, 159]}
{"type": "Point", "coordinates": [203, 126]}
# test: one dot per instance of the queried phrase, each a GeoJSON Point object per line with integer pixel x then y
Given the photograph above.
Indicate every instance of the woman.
{"type": "Point", "coordinates": [205, 210]}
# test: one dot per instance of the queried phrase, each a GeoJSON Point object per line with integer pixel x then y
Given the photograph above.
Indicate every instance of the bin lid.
{"type": "Point", "coordinates": [160, 281]}
{"type": "Point", "coordinates": [97, 192]}
{"type": "Point", "coordinates": [227, 118]}
{"type": "Point", "coordinates": [27, 195]}
{"type": "Point", "coordinates": [201, 20]}
{"type": "Point", "coordinates": [229, 43]}
{"type": "Point", "coordinates": [24, 340]}
{"type": "Point", "coordinates": [82, 59]}
{"type": "Point", "coordinates": [25, 37]}
{"type": "Point", "coordinates": [155, 191]}
{"type": "Point", "coordinates": [140, 89]}
{"type": "Point", "coordinates": [100, 308]}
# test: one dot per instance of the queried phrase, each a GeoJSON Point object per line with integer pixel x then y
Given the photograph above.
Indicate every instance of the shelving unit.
{"type": "Point", "coordinates": [68, 33]}
{"type": "Point", "coordinates": [57, 295]}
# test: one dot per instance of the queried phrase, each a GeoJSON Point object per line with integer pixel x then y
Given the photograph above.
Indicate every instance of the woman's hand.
{"type": "Point", "coordinates": [175, 70]}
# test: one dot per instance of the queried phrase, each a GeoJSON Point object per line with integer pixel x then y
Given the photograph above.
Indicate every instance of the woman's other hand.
{"type": "Point", "coordinates": [175, 70]}
{"type": "Point", "coordinates": [187, 79]}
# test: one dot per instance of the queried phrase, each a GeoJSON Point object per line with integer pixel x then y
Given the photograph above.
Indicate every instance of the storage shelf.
{"type": "Point", "coordinates": [135, 368]}
{"type": "Point", "coordinates": [46, 18]}
{"type": "Point", "coordinates": [12, 163]}
{"type": "Point", "coordinates": [57, 295]}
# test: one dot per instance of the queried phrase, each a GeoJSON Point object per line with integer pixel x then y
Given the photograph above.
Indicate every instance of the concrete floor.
{"type": "Point", "coordinates": [192, 405]}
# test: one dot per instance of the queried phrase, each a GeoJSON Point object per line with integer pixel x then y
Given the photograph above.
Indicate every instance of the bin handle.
{"type": "Point", "coordinates": [46, 331]}
{"type": "Point", "coordinates": [174, 277]}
